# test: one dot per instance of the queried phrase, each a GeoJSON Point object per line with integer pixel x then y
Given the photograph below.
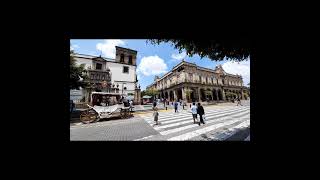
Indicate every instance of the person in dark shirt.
{"type": "Point", "coordinates": [200, 111]}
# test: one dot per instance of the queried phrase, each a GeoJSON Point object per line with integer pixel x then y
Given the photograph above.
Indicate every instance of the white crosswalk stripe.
{"type": "Point", "coordinates": [180, 126]}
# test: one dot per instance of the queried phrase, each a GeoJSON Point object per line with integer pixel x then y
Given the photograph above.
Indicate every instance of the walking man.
{"type": "Point", "coordinates": [154, 104]}
{"type": "Point", "coordinates": [239, 101]}
{"type": "Point", "coordinates": [200, 111]}
{"type": "Point", "coordinates": [176, 107]}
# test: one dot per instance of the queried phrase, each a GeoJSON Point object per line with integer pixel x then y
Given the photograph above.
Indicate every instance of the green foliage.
{"type": "Point", "coordinates": [230, 95]}
{"type": "Point", "coordinates": [188, 93]}
{"type": "Point", "coordinates": [216, 50]}
{"type": "Point", "coordinates": [151, 92]}
{"type": "Point", "coordinates": [77, 72]}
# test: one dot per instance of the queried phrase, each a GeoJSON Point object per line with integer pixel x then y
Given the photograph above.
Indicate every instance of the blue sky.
{"type": "Point", "coordinates": [154, 59]}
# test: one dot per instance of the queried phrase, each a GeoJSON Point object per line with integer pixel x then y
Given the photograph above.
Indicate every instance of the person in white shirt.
{"type": "Point", "coordinates": [131, 105]}
{"type": "Point", "coordinates": [194, 112]}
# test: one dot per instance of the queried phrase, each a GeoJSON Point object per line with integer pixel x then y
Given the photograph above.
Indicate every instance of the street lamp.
{"type": "Point", "coordinates": [123, 87]}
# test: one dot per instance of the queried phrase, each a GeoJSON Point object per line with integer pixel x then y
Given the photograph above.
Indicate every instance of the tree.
{"type": "Point", "coordinates": [237, 49]}
{"type": "Point", "coordinates": [245, 95]}
{"type": "Point", "coordinates": [152, 92]}
{"type": "Point", "coordinates": [188, 93]}
{"type": "Point", "coordinates": [78, 77]}
{"type": "Point", "coordinates": [143, 93]}
{"type": "Point", "coordinates": [230, 95]}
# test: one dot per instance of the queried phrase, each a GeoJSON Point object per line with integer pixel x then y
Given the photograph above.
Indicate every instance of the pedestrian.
{"type": "Point", "coordinates": [239, 102]}
{"type": "Point", "coordinates": [154, 104]}
{"type": "Point", "coordinates": [165, 104]}
{"type": "Point", "coordinates": [71, 106]}
{"type": "Point", "coordinates": [200, 111]}
{"type": "Point", "coordinates": [194, 112]}
{"type": "Point", "coordinates": [176, 107]}
{"type": "Point", "coordinates": [156, 115]}
{"type": "Point", "coordinates": [131, 105]}
{"type": "Point", "coordinates": [103, 102]}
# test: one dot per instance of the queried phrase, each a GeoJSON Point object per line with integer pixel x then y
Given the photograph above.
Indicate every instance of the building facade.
{"type": "Point", "coordinates": [111, 75]}
{"type": "Point", "coordinates": [189, 82]}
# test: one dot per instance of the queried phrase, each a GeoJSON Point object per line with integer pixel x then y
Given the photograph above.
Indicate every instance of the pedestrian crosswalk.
{"type": "Point", "coordinates": [221, 123]}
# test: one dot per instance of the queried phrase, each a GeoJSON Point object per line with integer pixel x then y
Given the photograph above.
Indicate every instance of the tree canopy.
{"type": "Point", "coordinates": [77, 74]}
{"type": "Point", "coordinates": [236, 49]}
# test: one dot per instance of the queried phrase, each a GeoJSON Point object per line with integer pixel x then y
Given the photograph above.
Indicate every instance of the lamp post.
{"type": "Point", "coordinates": [123, 87]}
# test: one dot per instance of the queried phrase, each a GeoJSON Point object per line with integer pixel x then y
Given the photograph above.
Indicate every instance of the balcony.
{"type": "Point", "coordinates": [99, 75]}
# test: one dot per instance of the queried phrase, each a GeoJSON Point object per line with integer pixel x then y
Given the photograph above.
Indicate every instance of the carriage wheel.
{"type": "Point", "coordinates": [88, 116]}
{"type": "Point", "coordinates": [122, 113]}
{"type": "Point", "coordinates": [126, 113]}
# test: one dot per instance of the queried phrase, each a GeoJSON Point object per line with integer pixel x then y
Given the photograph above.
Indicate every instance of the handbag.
{"type": "Point", "coordinates": [204, 118]}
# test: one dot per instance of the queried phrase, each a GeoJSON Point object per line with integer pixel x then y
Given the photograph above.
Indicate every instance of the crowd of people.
{"type": "Point", "coordinates": [196, 109]}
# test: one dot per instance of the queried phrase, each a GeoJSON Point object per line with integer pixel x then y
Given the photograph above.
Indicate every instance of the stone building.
{"type": "Point", "coordinates": [187, 81]}
{"type": "Point", "coordinates": [111, 75]}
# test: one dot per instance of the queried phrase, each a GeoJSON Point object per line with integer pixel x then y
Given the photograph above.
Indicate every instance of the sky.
{"type": "Point", "coordinates": [154, 59]}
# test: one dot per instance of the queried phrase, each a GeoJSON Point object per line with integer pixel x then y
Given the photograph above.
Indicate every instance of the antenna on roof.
{"type": "Point", "coordinates": [100, 52]}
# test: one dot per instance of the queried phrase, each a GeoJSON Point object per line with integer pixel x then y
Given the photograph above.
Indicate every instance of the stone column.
{"type": "Point", "coordinates": [198, 91]}
{"type": "Point", "coordinates": [211, 94]}
{"type": "Point", "coordinates": [242, 96]}
{"type": "Point", "coordinates": [183, 94]}
{"type": "Point", "coordinates": [223, 95]}
{"type": "Point", "coordinates": [174, 95]}
{"type": "Point", "coordinates": [217, 95]}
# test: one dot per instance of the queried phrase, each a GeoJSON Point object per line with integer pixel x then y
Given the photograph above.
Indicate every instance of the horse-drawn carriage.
{"type": "Point", "coordinates": [105, 105]}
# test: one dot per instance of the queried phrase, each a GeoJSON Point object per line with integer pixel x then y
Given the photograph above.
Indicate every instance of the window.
{"type": "Point", "coordinates": [212, 80]}
{"type": "Point", "coordinates": [125, 88]}
{"type": "Point", "coordinates": [125, 69]}
{"type": "Point", "coordinates": [98, 66]}
{"type": "Point", "coordinates": [200, 79]}
{"type": "Point", "coordinates": [130, 60]}
{"type": "Point", "coordinates": [206, 80]}
{"type": "Point", "coordinates": [122, 58]}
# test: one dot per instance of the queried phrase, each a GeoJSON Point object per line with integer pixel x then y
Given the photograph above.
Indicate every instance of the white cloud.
{"type": "Point", "coordinates": [138, 77]}
{"type": "Point", "coordinates": [241, 68]}
{"type": "Point", "coordinates": [179, 56]}
{"type": "Point", "coordinates": [74, 46]}
{"type": "Point", "coordinates": [152, 65]}
{"type": "Point", "coordinates": [108, 47]}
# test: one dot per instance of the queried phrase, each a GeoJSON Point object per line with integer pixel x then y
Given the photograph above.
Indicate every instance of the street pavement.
{"type": "Point", "coordinates": [225, 122]}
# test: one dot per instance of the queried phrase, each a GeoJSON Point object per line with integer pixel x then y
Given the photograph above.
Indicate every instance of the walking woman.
{"type": "Point", "coordinates": [194, 112]}
{"type": "Point", "coordinates": [156, 115]}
